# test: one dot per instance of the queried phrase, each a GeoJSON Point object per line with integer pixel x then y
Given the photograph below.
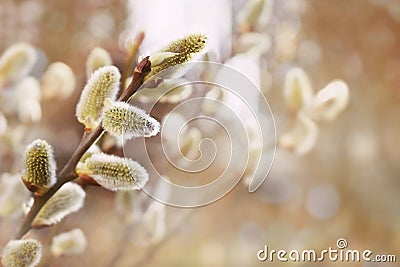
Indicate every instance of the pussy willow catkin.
{"type": "Point", "coordinates": [39, 171]}
{"type": "Point", "coordinates": [113, 172]}
{"type": "Point", "coordinates": [103, 83]}
{"type": "Point", "coordinates": [124, 120]}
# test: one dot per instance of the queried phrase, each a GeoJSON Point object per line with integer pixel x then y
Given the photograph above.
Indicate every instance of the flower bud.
{"type": "Point", "coordinates": [39, 167]}
{"type": "Point", "coordinates": [124, 120]}
{"type": "Point", "coordinates": [184, 50]}
{"type": "Point", "coordinates": [97, 58]}
{"type": "Point", "coordinates": [22, 253]}
{"type": "Point", "coordinates": [331, 100]}
{"type": "Point", "coordinates": [103, 83]}
{"type": "Point", "coordinates": [69, 243]}
{"type": "Point", "coordinates": [68, 199]}
{"type": "Point", "coordinates": [297, 89]}
{"type": "Point", "coordinates": [16, 62]}
{"type": "Point", "coordinates": [58, 81]}
{"type": "Point", "coordinates": [159, 58]}
{"type": "Point", "coordinates": [114, 173]}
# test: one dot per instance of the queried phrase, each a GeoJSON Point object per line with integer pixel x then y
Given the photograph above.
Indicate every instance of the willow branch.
{"type": "Point", "coordinates": [132, 53]}
{"type": "Point", "coordinates": [68, 173]}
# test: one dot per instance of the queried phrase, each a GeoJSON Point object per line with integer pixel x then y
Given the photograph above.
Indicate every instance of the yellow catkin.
{"type": "Point", "coordinates": [16, 62]}
{"type": "Point", "coordinates": [113, 172]}
{"type": "Point", "coordinates": [124, 120]}
{"type": "Point", "coordinates": [68, 199]}
{"type": "Point", "coordinates": [97, 58]}
{"type": "Point", "coordinates": [103, 83]}
{"type": "Point", "coordinates": [39, 171]}
{"type": "Point", "coordinates": [184, 48]}
{"type": "Point", "coordinates": [69, 243]}
{"type": "Point", "coordinates": [22, 253]}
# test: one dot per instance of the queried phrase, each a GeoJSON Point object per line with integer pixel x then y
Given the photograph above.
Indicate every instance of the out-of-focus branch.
{"type": "Point", "coordinates": [130, 61]}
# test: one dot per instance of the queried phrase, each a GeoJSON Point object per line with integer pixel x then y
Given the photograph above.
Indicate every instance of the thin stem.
{"type": "Point", "coordinates": [68, 174]}
{"type": "Point", "coordinates": [132, 53]}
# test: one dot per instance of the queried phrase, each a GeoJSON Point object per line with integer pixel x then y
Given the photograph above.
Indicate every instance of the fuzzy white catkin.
{"type": "Point", "coordinates": [331, 100]}
{"type": "Point", "coordinates": [297, 89]}
{"type": "Point", "coordinates": [16, 62]}
{"type": "Point", "coordinates": [69, 243]}
{"type": "Point", "coordinates": [22, 253]}
{"type": "Point", "coordinates": [124, 120]}
{"type": "Point", "coordinates": [58, 81]}
{"type": "Point", "coordinates": [115, 173]}
{"type": "Point", "coordinates": [39, 165]}
{"type": "Point", "coordinates": [182, 50]}
{"type": "Point", "coordinates": [102, 84]}
{"type": "Point", "coordinates": [67, 200]}
{"type": "Point", "coordinates": [159, 58]}
{"type": "Point", "coordinates": [97, 58]}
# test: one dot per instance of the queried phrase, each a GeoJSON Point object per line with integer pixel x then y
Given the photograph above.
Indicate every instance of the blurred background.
{"type": "Point", "coordinates": [345, 186]}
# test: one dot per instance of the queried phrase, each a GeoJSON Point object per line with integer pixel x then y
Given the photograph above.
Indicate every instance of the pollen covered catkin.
{"type": "Point", "coordinates": [16, 62]}
{"type": "Point", "coordinates": [22, 253]}
{"type": "Point", "coordinates": [69, 243]}
{"type": "Point", "coordinates": [102, 84]}
{"type": "Point", "coordinates": [68, 199]}
{"type": "Point", "coordinates": [113, 172]}
{"type": "Point", "coordinates": [124, 120]}
{"type": "Point", "coordinates": [39, 172]}
{"type": "Point", "coordinates": [97, 58]}
{"type": "Point", "coordinates": [184, 49]}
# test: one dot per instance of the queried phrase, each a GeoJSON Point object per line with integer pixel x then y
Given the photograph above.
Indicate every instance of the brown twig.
{"type": "Point", "coordinates": [68, 174]}
{"type": "Point", "coordinates": [130, 61]}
